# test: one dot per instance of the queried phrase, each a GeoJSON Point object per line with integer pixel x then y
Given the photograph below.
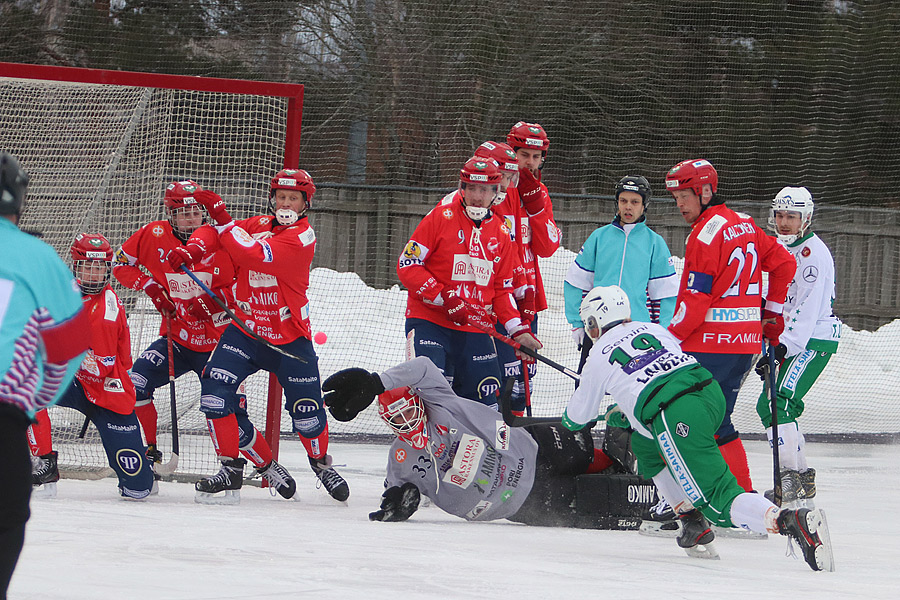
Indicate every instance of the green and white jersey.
{"type": "Point", "coordinates": [809, 323]}
{"type": "Point", "coordinates": [625, 362]}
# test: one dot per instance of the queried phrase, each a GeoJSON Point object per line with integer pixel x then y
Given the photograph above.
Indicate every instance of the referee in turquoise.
{"type": "Point", "coordinates": [43, 335]}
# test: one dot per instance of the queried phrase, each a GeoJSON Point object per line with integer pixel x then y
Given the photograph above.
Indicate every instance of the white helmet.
{"type": "Point", "coordinates": [794, 199]}
{"type": "Point", "coordinates": [604, 307]}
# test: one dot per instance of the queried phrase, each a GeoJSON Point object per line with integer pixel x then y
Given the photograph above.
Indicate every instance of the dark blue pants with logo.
{"type": "Point", "coordinates": [468, 360]}
{"type": "Point", "coordinates": [151, 371]}
{"type": "Point", "coordinates": [512, 367]}
{"type": "Point", "coordinates": [237, 356]}
{"type": "Point", "coordinates": [728, 370]}
{"type": "Point", "coordinates": [121, 437]}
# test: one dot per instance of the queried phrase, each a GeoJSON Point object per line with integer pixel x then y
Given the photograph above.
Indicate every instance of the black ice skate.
{"type": "Point", "coordinates": [154, 457]}
{"type": "Point", "coordinates": [808, 479]}
{"type": "Point", "coordinates": [334, 483]}
{"type": "Point", "coordinates": [659, 521]}
{"type": "Point", "coordinates": [810, 530]}
{"type": "Point", "coordinates": [225, 486]}
{"type": "Point", "coordinates": [792, 489]}
{"type": "Point", "coordinates": [696, 537]}
{"type": "Point", "coordinates": [279, 479]}
{"type": "Point", "coordinates": [44, 475]}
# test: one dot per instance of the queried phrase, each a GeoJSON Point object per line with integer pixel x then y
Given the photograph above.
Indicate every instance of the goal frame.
{"type": "Point", "coordinates": [293, 92]}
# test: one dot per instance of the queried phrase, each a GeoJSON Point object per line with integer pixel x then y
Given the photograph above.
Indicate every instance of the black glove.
{"type": "Point", "coordinates": [762, 365]}
{"type": "Point", "coordinates": [351, 391]}
{"type": "Point", "coordinates": [397, 504]}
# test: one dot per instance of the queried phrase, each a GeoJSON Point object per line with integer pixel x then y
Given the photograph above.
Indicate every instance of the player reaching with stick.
{"type": "Point", "coordinates": [102, 390]}
{"type": "Point", "coordinates": [197, 322]}
{"type": "Point", "coordinates": [675, 407]}
{"type": "Point", "coordinates": [272, 254]}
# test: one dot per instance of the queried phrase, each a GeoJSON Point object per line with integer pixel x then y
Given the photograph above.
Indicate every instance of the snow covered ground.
{"type": "Point", "coordinates": [88, 544]}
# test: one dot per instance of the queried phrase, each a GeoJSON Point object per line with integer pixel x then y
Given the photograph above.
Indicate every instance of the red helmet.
{"type": "Point", "coordinates": [480, 170]}
{"type": "Point", "coordinates": [528, 135]}
{"type": "Point", "coordinates": [90, 247]}
{"type": "Point", "coordinates": [692, 175]}
{"type": "Point", "coordinates": [180, 194]}
{"type": "Point", "coordinates": [294, 179]}
{"type": "Point", "coordinates": [501, 153]}
{"type": "Point", "coordinates": [404, 413]}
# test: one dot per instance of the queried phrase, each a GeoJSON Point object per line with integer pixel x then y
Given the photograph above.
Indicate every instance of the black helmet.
{"type": "Point", "coordinates": [13, 181]}
{"type": "Point", "coordinates": [635, 183]}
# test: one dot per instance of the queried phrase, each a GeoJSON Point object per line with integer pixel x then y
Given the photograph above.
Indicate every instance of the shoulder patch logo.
{"type": "Point", "coordinates": [682, 429]}
{"type": "Point", "coordinates": [708, 233]}
{"type": "Point", "coordinates": [805, 252]}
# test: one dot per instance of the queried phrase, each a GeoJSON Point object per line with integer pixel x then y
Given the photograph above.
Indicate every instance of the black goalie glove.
{"type": "Point", "coordinates": [762, 365]}
{"type": "Point", "coordinates": [397, 504]}
{"type": "Point", "coordinates": [351, 391]}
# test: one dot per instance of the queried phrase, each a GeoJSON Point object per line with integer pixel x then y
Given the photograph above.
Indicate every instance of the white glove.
{"type": "Point", "coordinates": [578, 336]}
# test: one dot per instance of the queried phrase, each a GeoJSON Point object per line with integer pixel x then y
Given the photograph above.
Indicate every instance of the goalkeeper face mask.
{"type": "Point", "coordinates": [404, 413]}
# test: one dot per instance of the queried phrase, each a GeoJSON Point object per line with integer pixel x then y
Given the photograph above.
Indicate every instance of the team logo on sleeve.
{"type": "Point", "coordinates": [448, 213]}
{"type": "Point", "coordinates": [400, 455]}
{"type": "Point", "coordinates": [158, 231]}
{"type": "Point", "coordinates": [412, 250]}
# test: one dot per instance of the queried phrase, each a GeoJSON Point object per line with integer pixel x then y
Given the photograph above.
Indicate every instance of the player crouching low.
{"type": "Point", "coordinates": [102, 389]}
{"type": "Point", "coordinates": [675, 407]}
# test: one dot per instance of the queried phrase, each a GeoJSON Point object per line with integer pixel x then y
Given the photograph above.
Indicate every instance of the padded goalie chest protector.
{"type": "Point", "coordinates": [612, 501]}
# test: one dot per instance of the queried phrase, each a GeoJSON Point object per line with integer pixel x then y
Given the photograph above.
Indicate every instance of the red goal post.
{"type": "Point", "coordinates": [101, 145]}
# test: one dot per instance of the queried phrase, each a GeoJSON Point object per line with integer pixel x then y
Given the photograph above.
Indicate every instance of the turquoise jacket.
{"type": "Point", "coordinates": [32, 277]}
{"type": "Point", "coordinates": [633, 257]}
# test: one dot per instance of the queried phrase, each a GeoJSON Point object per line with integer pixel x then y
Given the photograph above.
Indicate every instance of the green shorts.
{"type": "Point", "coordinates": [684, 442]}
{"type": "Point", "coordinates": [795, 376]}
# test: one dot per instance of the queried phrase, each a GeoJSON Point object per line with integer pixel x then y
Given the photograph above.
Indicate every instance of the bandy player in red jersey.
{"type": "Point", "coordinates": [461, 254]}
{"type": "Point", "coordinates": [717, 313]}
{"type": "Point", "coordinates": [197, 322]}
{"type": "Point", "coordinates": [532, 229]}
{"type": "Point", "coordinates": [272, 254]}
{"type": "Point", "coordinates": [102, 390]}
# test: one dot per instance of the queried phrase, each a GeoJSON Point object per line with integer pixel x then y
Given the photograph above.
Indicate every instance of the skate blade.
{"type": "Point", "coordinates": [738, 534]}
{"type": "Point", "coordinates": [818, 524]}
{"type": "Point", "coordinates": [228, 497]}
{"type": "Point", "coordinates": [47, 490]}
{"type": "Point", "coordinates": [655, 529]}
{"type": "Point", "coordinates": [705, 551]}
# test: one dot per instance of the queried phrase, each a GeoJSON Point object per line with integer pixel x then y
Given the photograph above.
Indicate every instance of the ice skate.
{"type": "Point", "coordinates": [808, 479]}
{"type": "Point", "coordinates": [697, 537]}
{"type": "Point", "coordinates": [738, 534]}
{"type": "Point", "coordinates": [279, 479]}
{"type": "Point", "coordinates": [225, 486]}
{"type": "Point", "coordinates": [809, 529]}
{"type": "Point", "coordinates": [792, 488]}
{"type": "Point", "coordinates": [154, 457]}
{"type": "Point", "coordinates": [660, 521]}
{"type": "Point", "coordinates": [334, 483]}
{"type": "Point", "coordinates": [44, 475]}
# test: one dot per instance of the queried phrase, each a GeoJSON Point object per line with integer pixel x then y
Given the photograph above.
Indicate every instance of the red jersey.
{"type": "Point", "coordinates": [149, 248]}
{"type": "Point", "coordinates": [535, 235]}
{"type": "Point", "coordinates": [448, 252]}
{"type": "Point", "coordinates": [104, 370]}
{"type": "Point", "coordinates": [718, 305]}
{"type": "Point", "coordinates": [272, 263]}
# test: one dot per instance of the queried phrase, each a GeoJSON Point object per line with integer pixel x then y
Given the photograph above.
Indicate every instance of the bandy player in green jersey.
{"type": "Point", "coordinates": [810, 338]}
{"type": "Point", "coordinates": [675, 407]}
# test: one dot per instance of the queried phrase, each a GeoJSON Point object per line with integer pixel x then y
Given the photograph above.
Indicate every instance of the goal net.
{"type": "Point", "coordinates": [100, 155]}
